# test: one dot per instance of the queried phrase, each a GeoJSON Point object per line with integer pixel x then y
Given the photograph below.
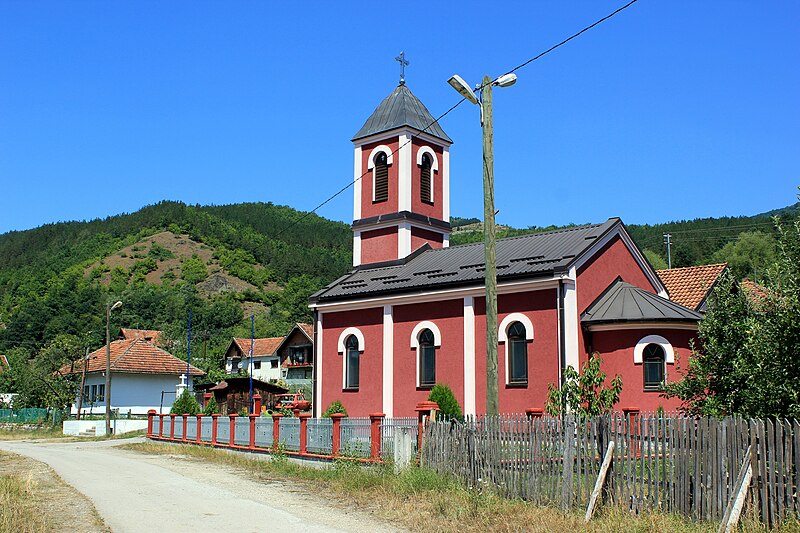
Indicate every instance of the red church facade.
{"type": "Point", "coordinates": [412, 311]}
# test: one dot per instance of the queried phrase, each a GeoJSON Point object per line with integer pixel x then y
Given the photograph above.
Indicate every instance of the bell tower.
{"type": "Point", "coordinates": [401, 197]}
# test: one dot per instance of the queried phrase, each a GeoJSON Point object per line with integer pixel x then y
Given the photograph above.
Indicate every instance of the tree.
{"type": "Point", "coordinates": [656, 260]}
{"type": "Point", "coordinates": [444, 397]}
{"type": "Point", "coordinates": [193, 270]}
{"type": "Point", "coordinates": [335, 407]}
{"type": "Point", "coordinates": [211, 407]}
{"type": "Point", "coordinates": [746, 363]}
{"type": "Point", "coordinates": [185, 404]}
{"type": "Point", "coordinates": [584, 394]}
{"type": "Point", "coordinates": [749, 255]}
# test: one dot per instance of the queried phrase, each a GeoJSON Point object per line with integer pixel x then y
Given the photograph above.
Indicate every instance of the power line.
{"type": "Point", "coordinates": [440, 117]}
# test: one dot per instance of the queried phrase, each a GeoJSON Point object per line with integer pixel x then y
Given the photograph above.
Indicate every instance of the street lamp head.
{"type": "Point", "coordinates": [506, 80]}
{"type": "Point", "coordinates": [118, 304]}
{"type": "Point", "coordinates": [458, 83]}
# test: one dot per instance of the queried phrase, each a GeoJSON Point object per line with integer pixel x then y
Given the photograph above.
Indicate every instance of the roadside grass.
{"type": "Point", "coordinates": [46, 432]}
{"type": "Point", "coordinates": [18, 510]}
{"type": "Point", "coordinates": [421, 500]}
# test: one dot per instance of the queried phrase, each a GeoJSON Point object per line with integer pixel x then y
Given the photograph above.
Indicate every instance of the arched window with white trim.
{"type": "Point", "coordinates": [352, 363]}
{"type": "Point", "coordinates": [653, 366]}
{"type": "Point", "coordinates": [427, 359]}
{"type": "Point", "coordinates": [516, 331]}
{"type": "Point", "coordinates": [517, 347]}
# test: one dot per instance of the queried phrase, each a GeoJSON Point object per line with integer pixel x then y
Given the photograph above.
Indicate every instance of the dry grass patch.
{"type": "Point", "coordinates": [421, 500]}
{"type": "Point", "coordinates": [33, 499]}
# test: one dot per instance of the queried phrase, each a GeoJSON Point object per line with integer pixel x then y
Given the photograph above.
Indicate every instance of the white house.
{"type": "Point", "coordinates": [266, 361]}
{"type": "Point", "coordinates": [143, 377]}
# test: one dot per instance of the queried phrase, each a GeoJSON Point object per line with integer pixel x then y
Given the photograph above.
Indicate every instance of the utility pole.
{"type": "Point", "coordinates": [490, 273]}
{"type": "Point", "coordinates": [83, 382]}
{"type": "Point", "coordinates": [668, 242]}
{"type": "Point", "coordinates": [107, 394]}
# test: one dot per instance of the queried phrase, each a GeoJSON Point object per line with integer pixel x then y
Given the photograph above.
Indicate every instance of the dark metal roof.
{"type": "Point", "coordinates": [401, 108]}
{"type": "Point", "coordinates": [527, 256]}
{"type": "Point", "coordinates": [623, 302]}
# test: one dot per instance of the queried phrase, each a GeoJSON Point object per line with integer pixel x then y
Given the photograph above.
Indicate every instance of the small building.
{"type": "Point", "coordinates": [691, 286]}
{"type": "Point", "coordinates": [266, 363]}
{"type": "Point", "coordinates": [143, 377]}
{"type": "Point", "coordinates": [233, 393]}
{"type": "Point", "coordinates": [296, 354]}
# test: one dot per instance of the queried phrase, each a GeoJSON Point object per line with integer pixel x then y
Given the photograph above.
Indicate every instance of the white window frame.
{"type": "Point", "coordinates": [669, 353]}
{"type": "Point", "coordinates": [502, 337]}
{"type": "Point", "coordinates": [437, 341]}
{"type": "Point", "coordinates": [371, 162]}
{"type": "Point", "coordinates": [343, 350]}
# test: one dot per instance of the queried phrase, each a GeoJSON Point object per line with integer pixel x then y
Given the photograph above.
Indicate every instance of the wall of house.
{"type": "Point", "coordinates": [417, 205]}
{"type": "Point", "coordinates": [379, 245]}
{"type": "Point", "coordinates": [266, 372]}
{"type": "Point", "coordinates": [368, 398]}
{"type": "Point", "coordinates": [616, 350]}
{"type": "Point", "coordinates": [368, 207]}
{"type": "Point", "coordinates": [594, 277]}
{"type": "Point", "coordinates": [448, 317]}
{"type": "Point", "coordinates": [134, 393]}
{"type": "Point", "coordinates": [420, 236]}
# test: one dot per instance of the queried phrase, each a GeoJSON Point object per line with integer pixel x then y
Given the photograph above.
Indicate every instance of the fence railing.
{"type": "Point", "coordinates": [338, 437]}
{"type": "Point", "coordinates": [662, 462]}
{"type": "Point", "coordinates": [32, 415]}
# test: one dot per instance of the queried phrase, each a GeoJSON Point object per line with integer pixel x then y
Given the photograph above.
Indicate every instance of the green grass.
{"type": "Point", "coordinates": [421, 500]}
{"type": "Point", "coordinates": [46, 432]}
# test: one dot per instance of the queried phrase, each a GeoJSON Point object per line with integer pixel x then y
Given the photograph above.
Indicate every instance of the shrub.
{"type": "Point", "coordinates": [211, 407]}
{"type": "Point", "coordinates": [185, 404]}
{"type": "Point", "coordinates": [584, 394]}
{"type": "Point", "coordinates": [335, 407]}
{"type": "Point", "coordinates": [448, 405]}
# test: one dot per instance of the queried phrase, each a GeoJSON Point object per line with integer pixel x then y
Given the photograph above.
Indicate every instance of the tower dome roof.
{"type": "Point", "coordinates": [399, 109]}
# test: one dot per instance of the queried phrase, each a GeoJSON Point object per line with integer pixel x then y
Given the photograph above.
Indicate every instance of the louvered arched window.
{"type": "Point", "coordinates": [352, 363]}
{"type": "Point", "coordinates": [381, 177]}
{"type": "Point", "coordinates": [653, 359]}
{"type": "Point", "coordinates": [517, 347]}
{"type": "Point", "coordinates": [425, 179]}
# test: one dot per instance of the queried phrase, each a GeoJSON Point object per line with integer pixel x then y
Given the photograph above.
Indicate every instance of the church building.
{"type": "Point", "coordinates": [411, 313]}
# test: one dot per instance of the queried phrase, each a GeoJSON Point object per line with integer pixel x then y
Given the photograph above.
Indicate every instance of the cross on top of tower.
{"type": "Point", "coordinates": [403, 64]}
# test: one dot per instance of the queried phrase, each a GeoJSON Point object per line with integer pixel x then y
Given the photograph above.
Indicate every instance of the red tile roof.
{"type": "Point", "coordinates": [689, 286]}
{"type": "Point", "coordinates": [144, 334]}
{"type": "Point", "coordinates": [265, 346]}
{"type": "Point", "coordinates": [308, 329]}
{"type": "Point", "coordinates": [133, 356]}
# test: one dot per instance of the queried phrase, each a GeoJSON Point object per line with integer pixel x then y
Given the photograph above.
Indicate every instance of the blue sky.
{"type": "Point", "coordinates": [670, 110]}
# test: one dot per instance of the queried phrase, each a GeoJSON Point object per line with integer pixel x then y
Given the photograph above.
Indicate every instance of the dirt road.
{"type": "Point", "coordinates": [134, 492]}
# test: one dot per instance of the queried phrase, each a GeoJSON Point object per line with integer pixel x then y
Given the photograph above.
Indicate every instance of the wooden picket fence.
{"type": "Point", "coordinates": [660, 462]}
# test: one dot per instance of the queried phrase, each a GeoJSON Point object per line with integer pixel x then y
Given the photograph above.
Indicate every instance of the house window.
{"type": "Point", "coordinates": [425, 179]}
{"type": "Point", "coordinates": [653, 360]}
{"type": "Point", "coordinates": [101, 393]}
{"type": "Point", "coordinates": [517, 347]}
{"type": "Point", "coordinates": [381, 177]}
{"type": "Point", "coordinates": [352, 362]}
{"type": "Point", "coordinates": [427, 359]}
{"type": "Point", "coordinates": [86, 397]}
{"type": "Point", "coordinates": [256, 365]}
{"type": "Point", "coordinates": [93, 395]}
{"type": "Point", "coordinates": [273, 363]}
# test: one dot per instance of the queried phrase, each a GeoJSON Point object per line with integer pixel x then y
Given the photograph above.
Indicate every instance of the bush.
{"type": "Point", "coordinates": [448, 405]}
{"type": "Point", "coordinates": [185, 404]}
{"type": "Point", "coordinates": [211, 407]}
{"type": "Point", "coordinates": [335, 407]}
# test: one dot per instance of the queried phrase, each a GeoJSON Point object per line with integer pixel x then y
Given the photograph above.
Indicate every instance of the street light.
{"type": "Point", "coordinates": [109, 308]}
{"type": "Point", "coordinates": [490, 270]}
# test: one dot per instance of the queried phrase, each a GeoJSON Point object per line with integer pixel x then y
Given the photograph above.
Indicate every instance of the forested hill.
{"type": "Point", "coordinates": [223, 263]}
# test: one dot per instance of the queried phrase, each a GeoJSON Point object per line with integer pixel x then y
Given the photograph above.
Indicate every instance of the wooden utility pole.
{"type": "Point", "coordinates": [490, 272]}
{"type": "Point", "coordinates": [83, 381]}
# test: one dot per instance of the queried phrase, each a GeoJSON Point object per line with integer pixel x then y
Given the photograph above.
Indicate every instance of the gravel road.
{"type": "Point", "coordinates": [134, 492]}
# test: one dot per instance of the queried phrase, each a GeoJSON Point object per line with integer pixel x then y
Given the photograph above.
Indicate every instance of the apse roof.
{"type": "Point", "coordinates": [399, 109]}
{"type": "Point", "coordinates": [623, 302]}
{"type": "Point", "coordinates": [526, 256]}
